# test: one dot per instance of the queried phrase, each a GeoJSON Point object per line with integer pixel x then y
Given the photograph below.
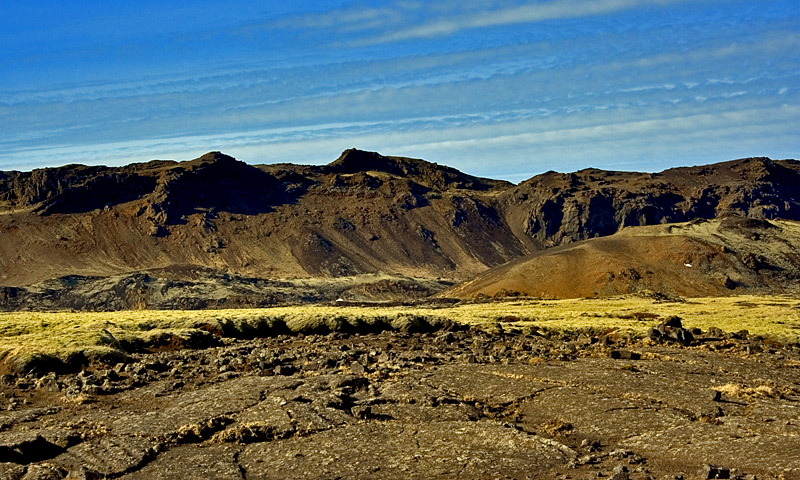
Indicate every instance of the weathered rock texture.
{"type": "Point", "coordinates": [189, 288]}
{"type": "Point", "coordinates": [449, 404]}
{"type": "Point", "coordinates": [556, 208]}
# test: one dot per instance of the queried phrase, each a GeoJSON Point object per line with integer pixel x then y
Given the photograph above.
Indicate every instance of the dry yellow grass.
{"type": "Point", "coordinates": [776, 317]}
{"type": "Point", "coordinates": [63, 334]}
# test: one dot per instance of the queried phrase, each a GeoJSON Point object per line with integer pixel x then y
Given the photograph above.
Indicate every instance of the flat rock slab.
{"type": "Point", "coordinates": [487, 384]}
{"type": "Point", "coordinates": [169, 413]}
{"type": "Point", "coordinates": [8, 419]}
{"type": "Point", "coordinates": [28, 446]}
{"type": "Point", "coordinates": [193, 463]}
{"type": "Point", "coordinates": [594, 415]}
{"type": "Point", "coordinates": [393, 450]}
{"type": "Point", "coordinates": [722, 445]}
{"type": "Point", "coordinates": [109, 456]}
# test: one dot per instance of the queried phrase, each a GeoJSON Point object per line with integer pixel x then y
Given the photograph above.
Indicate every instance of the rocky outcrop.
{"type": "Point", "coordinates": [435, 176]}
{"type": "Point", "coordinates": [190, 287]}
{"type": "Point", "coordinates": [213, 182]}
{"type": "Point", "coordinates": [73, 189]}
{"type": "Point", "coordinates": [553, 208]}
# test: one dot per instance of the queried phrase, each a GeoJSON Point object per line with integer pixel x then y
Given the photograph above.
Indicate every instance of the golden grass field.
{"type": "Point", "coordinates": [62, 334]}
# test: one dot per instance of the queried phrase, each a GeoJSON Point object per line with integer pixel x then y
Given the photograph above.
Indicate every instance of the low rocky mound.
{"type": "Point", "coordinates": [722, 257]}
{"type": "Point", "coordinates": [188, 287]}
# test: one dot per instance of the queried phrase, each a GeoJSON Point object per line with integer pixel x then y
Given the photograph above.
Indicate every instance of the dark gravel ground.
{"type": "Point", "coordinates": [448, 404]}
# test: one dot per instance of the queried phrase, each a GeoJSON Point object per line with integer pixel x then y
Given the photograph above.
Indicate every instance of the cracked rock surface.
{"type": "Point", "coordinates": [460, 404]}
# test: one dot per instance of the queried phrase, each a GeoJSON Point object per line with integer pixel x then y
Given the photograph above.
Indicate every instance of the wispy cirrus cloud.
{"type": "Point", "coordinates": [398, 21]}
{"type": "Point", "coordinates": [530, 13]}
{"type": "Point", "coordinates": [526, 84]}
{"type": "Point", "coordinates": [414, 20]}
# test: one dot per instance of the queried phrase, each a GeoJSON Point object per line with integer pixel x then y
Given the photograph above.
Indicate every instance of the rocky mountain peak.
{"type": "Point", "coordinates": [213, 158]}
{"type": "Point", "coordinates": [427, 174]}
{"type": "Point", "coordinates": [353, 160]}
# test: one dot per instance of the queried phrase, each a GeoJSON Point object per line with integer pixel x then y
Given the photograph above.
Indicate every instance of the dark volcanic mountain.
{"type": "Point", "coordinates": [364, 213]}
{"type": "Point", "coordinates": [554, 208]}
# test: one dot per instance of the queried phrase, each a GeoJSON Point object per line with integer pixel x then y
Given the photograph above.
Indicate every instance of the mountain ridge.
{"type": "Point", "coordinates": [362, 213]}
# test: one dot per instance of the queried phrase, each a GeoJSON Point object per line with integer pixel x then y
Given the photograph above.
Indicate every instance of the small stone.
{"type": "Point", "coordinates": [625, 355]}
{"type": "Point", "coordinates": [285, 370]}
{"type": "Point", "coordinates": [364, 412]}
{"type": "Point", "coordinates": [620, 454]}
{"type": "Point", "coordinates": [620, 473]}
{"type": "Point", "coordinates": [446, 338]}
{"type": "Point", "coordinates": [715, 332]}
{"type": "Point", "coordinates": [91, 390]}
{"type": "Point", "coordinates": [44, 471]}
{"type": "Point", "coordinates": [654, 334]}
{"type": "Point", "coordinates": [673, 321]}
{"type": "Point", "coordinates": [85, 473]}
{"type": "Point", "coordinates": [708, 471]}
{"type": "Point", "coordinates": [591, 445]}
{"type": "Point", "coordinates": [48, 384]}
{"type": "Point", "coordinates": [227, 376]}
{"type": "Point", "coordinates": [357, 368]}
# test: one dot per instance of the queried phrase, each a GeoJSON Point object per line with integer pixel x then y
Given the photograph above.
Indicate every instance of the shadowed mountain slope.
{"type": "Point", "coordinates": [557, 208]}
{"type": "Point", "coordinates": [363, 213]}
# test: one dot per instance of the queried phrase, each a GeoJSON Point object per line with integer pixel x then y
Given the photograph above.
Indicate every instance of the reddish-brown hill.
{"type": "Point", "coordinates": [720, 257]}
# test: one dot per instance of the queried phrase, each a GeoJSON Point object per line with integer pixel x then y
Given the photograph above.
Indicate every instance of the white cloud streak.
{"type": "Point", "coordinates": [609, 94]}
{"type": "Point", "coordinates": [608, 139]}
{"type": "Point", "coordinates": [531, 13]}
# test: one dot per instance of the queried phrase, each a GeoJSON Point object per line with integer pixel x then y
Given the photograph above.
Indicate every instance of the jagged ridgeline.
{"type": "Point", "coordinates": [363, 214]}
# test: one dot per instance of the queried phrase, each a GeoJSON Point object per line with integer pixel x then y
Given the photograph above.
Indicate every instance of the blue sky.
{"type": "Point", "coordinates": [505, 89]}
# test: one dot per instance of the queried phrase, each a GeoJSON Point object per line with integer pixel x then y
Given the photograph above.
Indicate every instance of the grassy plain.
{"type": "Point", "coordinates": [60, 336]}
